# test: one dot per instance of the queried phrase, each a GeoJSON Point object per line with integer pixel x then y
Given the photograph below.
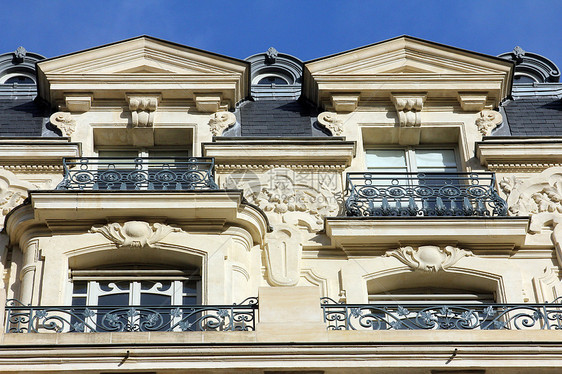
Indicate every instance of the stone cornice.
{"type": "Point", "coordinates": [79, 209]}
{"type": "Point", "coordinates": [365, 236]}
{"type": "Point", "coordinates": [292, 152]}
{"type": "Point", "coordinates": [40, 152]}
{"type": "Point", "coordinates": [510, 155]}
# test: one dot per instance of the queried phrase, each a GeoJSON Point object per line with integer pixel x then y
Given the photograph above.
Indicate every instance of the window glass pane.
{"type": "Point", "coordinates": [79, 287]}
{"type": "Point", "coordinates": [435, 160]}
{"type": "Point", "coordinates": [118, 299]}
{"type": "Point", "coordinates": [153, 299]}
{"type": "Point", "coordinates": [386, 159]}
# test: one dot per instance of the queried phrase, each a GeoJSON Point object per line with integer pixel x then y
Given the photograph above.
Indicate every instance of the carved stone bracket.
{"type": "Point", "coordinates": [78, 102]}
{"type": "Point", "coordinates": [408, 106]}
{"type": "Point", "coordinates": [64, 122]}
{"type": "Point", "coordinates": [209, 103]}
{"type": "Point", "coordinates": [221, 121]}
{"type": "Point", "coordinates": [142, 109]}
{"type": "Point", "coordinates": [135, 234]}
{"type": "Point", "coordinates": [487, 121]}
{"type": "Point", "coordinates": [13, 192]}
{"type": "Point", "coordinates": [430, 258]}
{"type": "Point", "coordinates": [472, 101]}
{"type": "Point", "coordinates": [283, 254]}
{"type": "Point", "coordinates": [331, 122]}
{"type": "Point", "coordinates": [345, 102]}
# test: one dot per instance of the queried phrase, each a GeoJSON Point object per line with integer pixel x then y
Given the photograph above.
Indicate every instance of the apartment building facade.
{"type": "Point", "coordinates": [392, 208]}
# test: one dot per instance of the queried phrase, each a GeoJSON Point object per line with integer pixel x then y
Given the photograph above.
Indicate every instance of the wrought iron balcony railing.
{"type": "Point", "coordinates": [547, 316]}
{"type": "Point", "coordinates": [28, 319]}
{"type": "Point", "coordinates": [423, 194]}
{"type": "Point", "coordinates": [91, 173]}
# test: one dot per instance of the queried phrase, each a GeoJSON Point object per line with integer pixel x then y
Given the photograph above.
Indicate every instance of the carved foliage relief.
{"type": "Point", "coordinates": [301, 198]}
{"type": "Point", "coordinates": [332, 122]}
{"type": "Point", "coordinates": [430, 258]}
{"type": "Point", "coordinates": [221, 121]}
{"type": "Point", "coordinates": [487, 121]}
{"type": "Point", "coordinates": [13, 191]}
{"type": "Point", "coordinates": [64, 122]}
{"type": "Point", "coordinates": [135, 234]}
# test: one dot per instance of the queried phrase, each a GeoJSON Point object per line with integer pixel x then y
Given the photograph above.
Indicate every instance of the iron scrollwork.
{"type": "Point", "coordinates": [90, 173]}
{"type": "Point", "coordinates": [423, 194]}
{"type": "Point", "coordinates": [546, 316]}
{"type": "Point", "coordinates": [33, 319]}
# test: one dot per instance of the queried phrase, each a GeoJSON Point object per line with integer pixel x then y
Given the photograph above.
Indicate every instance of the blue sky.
{"type": "Point", "coordinates": [306, 29]}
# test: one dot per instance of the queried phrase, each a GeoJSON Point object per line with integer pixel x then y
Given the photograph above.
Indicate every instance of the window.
{"type": "Point", "coordinates": [411, 160]}
{"type": "Point", "coordinates": [432, 308]}
{"type": "Point", "coordinates": [272, 80]}
{"type": "Point", "coordinates": [20, 79]}
{"type": "Point", "coordinates": [102, 299]}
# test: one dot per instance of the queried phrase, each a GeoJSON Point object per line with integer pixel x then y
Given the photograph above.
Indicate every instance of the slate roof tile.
{"type": "Point", "coordinates": [534, 116]}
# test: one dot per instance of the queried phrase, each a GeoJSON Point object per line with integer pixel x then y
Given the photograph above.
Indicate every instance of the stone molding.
{"type": "Point", "coordinates": [209, 103]}
{"type": "Point", "coordinates": [283, 250]}
{"type": "Point", "coordinates": [487, 121]}
{"type": "Point", "coordinates": [408, 106]}
{"type": "Point", "coordinates": [221, 121]}
{"type": "Point", "coordinates": [78, 103]}
{"type": "Point", "coordinates": [528, 156]}
{"type": "Point", "coordinates": [64, 122]}
{"type": "Point", "coordinates": [142, 109]}
{"type": "Point", "coordinates": [331, 122]}
{"type": "Point", "coordinates": [134, 234]}
{"type": "Point", "coordinates": [429, 258]}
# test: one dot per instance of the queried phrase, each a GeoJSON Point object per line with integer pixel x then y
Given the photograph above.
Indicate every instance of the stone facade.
{"type": "Point", "coordinates": [202, 218]}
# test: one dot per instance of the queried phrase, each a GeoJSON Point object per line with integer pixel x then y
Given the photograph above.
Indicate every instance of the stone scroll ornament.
{"type": "Point", "coordinates": [142, 110]}
{"type": "Point", "coordinates": [13, 192]}
{"type": "Point", "coordinates": [221, 121]}
{"type": "Point", "coordinates": [283, 252]}
{"type": "Point", "coordinates": [331, 122]}
{"type": "Point", "coordinates": [135, 234]}
{"type": "Point", "coordinates": [539, 197]}
{"type": "Point", "coordinates": [429, 258]}
{"type": "Point", "coordinates": [64, 122]}
{"type": "Point", "coordinates": [487, 121]}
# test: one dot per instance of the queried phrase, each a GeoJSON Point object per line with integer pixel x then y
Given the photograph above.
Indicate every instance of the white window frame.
{"type": "Point", "coordinates": [409, 152]}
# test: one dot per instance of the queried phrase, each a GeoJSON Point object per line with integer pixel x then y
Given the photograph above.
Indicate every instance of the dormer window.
{"type": "Point", "coordinates": [19, 79]}
{"type": "Point", "coordinates": [272, 80]}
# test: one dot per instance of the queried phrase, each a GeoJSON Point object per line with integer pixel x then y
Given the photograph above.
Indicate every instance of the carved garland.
{"type": "Point", "coordinates": [135, 234]}
{"type": "Point", "coordinates": [430, 258]}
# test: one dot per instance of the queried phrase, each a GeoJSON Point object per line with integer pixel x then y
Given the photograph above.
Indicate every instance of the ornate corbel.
{"type": "Point", "coordinates": [472, 101]}
{"type": "Point", "coordinates": [220, 121]}
{"type": "Point", "coordinates": [64, 122]}
{"type": "Point", "coordinates": [134, 234]}
{"type": "Point", "coordinates": [430, 258]}
{"type": "Point", "coordinates": [487, 121]}
{"type": "Point", "coordinates": [331, 122]}
{"type": "Point", "coordinates": [142, 109]}
{"type": "Point", "coordinates": [408, 106]}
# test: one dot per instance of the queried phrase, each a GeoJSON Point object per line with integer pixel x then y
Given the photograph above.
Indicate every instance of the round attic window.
{"type": "Point", "coordinates": [20, 79]}
{"type": "Point", "coordinates": [272, 80]}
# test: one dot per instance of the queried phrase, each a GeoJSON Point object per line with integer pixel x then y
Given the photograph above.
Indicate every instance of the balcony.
{"type": "Point", "coordinates": [147, 174]}
{"type": "Point", "coordinates": [33, 319]}
{"type": "Point", "coordinates": [432, 316]}
{"type": "Point", "coordinates": [423, 194]}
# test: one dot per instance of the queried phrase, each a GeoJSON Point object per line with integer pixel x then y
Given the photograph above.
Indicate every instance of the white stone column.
{"type": "Point", "coordinates": [27, 273]}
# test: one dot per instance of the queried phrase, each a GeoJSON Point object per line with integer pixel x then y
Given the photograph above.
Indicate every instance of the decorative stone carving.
{"type": "Point", "coordinates": [331, 121]}
{"type": "Point", "coordinates": [283, 255]}
{"type": "Point", "coordinates": [20, 53]}
{"type": "Point", "coordinates": [142, 109]}
{"type": "Point", "coordinates": [135, 234]}
{"type": "Point", "coordinates": [64, 122]}
{"type": "Point", "coordinates": [287, 196]}
{"type": "Point", "coordinates": [538, 194]}
{"type": "Point", "coordinates": [271, 55]}
{"type": "Point", "coordinates": [408, 106]}
{"type": "Point", "coordinates": [548, 286]}
{"type": "Point", "coordinates": [487, 121]}
{"type": "Point", "coordinates": [221, 121]}
{"type": "Point", "coordinates": [430, 258]}
{"type": "Point", "coordinates": [13, 192]}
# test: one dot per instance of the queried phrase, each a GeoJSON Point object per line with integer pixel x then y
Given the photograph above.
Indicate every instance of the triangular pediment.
{"type": "Point", "coordinates": [144, 64]}
{"type": "Point", "coordinates": [143, 55]}
{"type": "Point", "coordinates": [407, 55]}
